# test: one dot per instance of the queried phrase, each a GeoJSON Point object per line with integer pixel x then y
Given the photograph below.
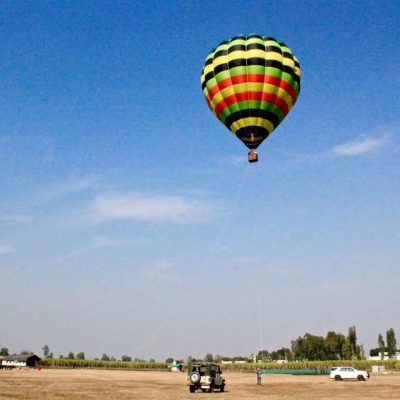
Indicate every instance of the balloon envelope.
{"type": "Point", "coordinates": [251, 83]}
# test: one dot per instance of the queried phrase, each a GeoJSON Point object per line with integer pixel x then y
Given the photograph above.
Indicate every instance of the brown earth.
{"type": "Point", "coordinates": [109, 385]}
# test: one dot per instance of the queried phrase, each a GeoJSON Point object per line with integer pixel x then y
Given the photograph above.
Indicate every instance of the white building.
{"type": "Point", "coordinates": [385, 356]}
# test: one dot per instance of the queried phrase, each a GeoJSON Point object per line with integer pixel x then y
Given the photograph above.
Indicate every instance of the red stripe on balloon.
{"type": "Point", "coordinates": [253, 78]}
{"type": "Point", "coordinates": [258, 96]}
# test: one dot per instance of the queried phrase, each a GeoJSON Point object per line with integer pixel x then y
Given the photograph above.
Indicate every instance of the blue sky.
{"type": "Point", "coordinates": [130, 220]}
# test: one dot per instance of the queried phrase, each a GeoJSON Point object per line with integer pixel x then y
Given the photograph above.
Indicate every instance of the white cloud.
{"type": "Point", "coordinates": [144, 208]}
{"type": "Point", "coordinates": [6, 249]}
{"type": "Point", "coordinates": [361, 146]}
{"type": "Point", "coordinates": [101, 242]}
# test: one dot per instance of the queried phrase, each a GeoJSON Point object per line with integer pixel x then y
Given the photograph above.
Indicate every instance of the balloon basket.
{"type": "Point", "coordinates": [252, 156]}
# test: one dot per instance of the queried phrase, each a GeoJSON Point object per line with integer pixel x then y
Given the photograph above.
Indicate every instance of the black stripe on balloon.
{"type": "Point", "coordinates": [243, 62]}
{"type": "Point", "coordinates": [255, 46]}
{"type": "Point", "coordinates": [244, 134]}
{"type": "Point", "coordinates": [258, 61]}
{"type": "Point", "coordinates": [220, 53]}
{"type": "Point", "coordinates": [237, 62]}
{"type": "Point", "coordinates": [274, 49]}
{"type": "Point", "coordinates": [252, 112]}
{"type": "Point", "coordinates": [237, 47]}
{"type": "Point", "coordinates": [287, 55]}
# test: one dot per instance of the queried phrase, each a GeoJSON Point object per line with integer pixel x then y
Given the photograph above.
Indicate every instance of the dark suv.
{"type": "Point", "coordinates": [205, 376]}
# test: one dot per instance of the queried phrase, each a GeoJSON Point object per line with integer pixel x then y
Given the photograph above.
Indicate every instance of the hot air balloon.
{"type": "Point", "coordinates": [251, 83]}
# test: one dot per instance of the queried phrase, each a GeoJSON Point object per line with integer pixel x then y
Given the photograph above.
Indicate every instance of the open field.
{"type": "Point", "coordinates": [57, 384]}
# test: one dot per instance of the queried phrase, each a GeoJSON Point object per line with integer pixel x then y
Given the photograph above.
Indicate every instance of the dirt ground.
{"type": "Point", "coordinates": [108, 385]}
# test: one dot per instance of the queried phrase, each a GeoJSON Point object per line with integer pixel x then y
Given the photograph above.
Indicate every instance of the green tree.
{"type": "Point", "coordinates": [352, 339]}
{"type": "Point", "coordinates": [4, 352]}
{"type": "Point", "coordinates": [333, 345]}
{"type": "Point", "coordinates": [263, 355]}
{"type": "Point", "coordinates": [381, 345]}
{"type": "Point", "coordinates": [80, 356]}
{"type": "Point", "coordinates": [71, 355]}
{"type": "Point", "coordinates": [169, 360]}
{"type": "Point", "coordinates": [127, 358]}
{"type": "Point", "coordinates": [346, 350]}
{"type": "Point", "coordinates": [46, 350]}
{"type": "Point", "coordinates": [391, 343]}
{"type": "Point", "coordinates": [298, 348]}
{"type": "Point", "coordinates": [209, 357]}
{"type": "Point", "coordinates": [105, 357]}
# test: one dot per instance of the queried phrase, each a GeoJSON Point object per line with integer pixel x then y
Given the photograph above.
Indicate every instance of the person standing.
{"type": "Point", "coordinates": [259, 373]}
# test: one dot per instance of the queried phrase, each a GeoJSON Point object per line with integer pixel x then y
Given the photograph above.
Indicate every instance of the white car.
{"type": "Point", "coordinates": [340, 373]}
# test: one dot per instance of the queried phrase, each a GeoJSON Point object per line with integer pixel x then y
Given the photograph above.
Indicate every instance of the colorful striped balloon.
{"type": "Point", "coordinates": [250, 83]}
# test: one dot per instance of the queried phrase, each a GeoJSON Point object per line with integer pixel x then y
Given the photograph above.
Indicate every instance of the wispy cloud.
{"type": "Point", "coordinates": [15, 218]}
{"type": "Point", "coordinates": [66, 188]}
{"type": "Point", "coordinates": [145, 208]}
{"type": "Point", "coordinates": [7, 249]}
{"type": "Point", "coordinates": [165, 271]}
{"type": "Point", "coordinates": [100, 242]}
{"type": "Point", "coordinates": [361, 146]}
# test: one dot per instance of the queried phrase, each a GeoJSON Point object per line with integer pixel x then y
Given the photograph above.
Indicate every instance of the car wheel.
{"type": "Point", "coordinates": [338, 378]}
{"type": "Point", "coordinates": [192, 389]}
{"type": "Point", "coordinates": [222, 388]}
{"type": "Point", "coordinates": [211, 387]}
{"type": "Point", "coordinates": [361, 377]}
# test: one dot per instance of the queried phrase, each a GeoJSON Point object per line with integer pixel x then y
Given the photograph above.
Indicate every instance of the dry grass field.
{"type": "Point", "coordinates": [109, 385]}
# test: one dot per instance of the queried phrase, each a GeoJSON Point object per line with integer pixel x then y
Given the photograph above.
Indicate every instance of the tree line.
{"type": "Point", "coordinates": [334, 346]}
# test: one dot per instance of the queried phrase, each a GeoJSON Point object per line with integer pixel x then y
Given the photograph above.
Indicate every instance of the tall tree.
{"type": "Point", "coordinates": [209, 357]}
{"type": "Point", "coordinates": [298, 349]}
{"type": "Point", "coordinates": [46, 350]}
{"type": "Point", "coordinates": [352, 338]}
{"type": "Point", "coordinates": [381, 344]}
{"type": "Point", "coordinates": [71, 355]}
{"type": "Point", "coordinates": [80, 356]}
{"type": "Point", "coordinates": [391, 343]}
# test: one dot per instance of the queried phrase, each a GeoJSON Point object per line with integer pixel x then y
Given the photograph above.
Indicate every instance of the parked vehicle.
{"type": "Point", "coordinates": [340, 373]}
{"type": "Point", "coordinates": [205, 376]}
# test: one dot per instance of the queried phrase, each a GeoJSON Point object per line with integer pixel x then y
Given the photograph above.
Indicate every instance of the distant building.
{"type": "Point", "coordinates": [20, 361]}
{"type": "Point", "coordinates": [385, 356]}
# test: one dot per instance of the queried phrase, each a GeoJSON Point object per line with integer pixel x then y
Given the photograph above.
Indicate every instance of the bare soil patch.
{"type": "Point", "coordinates": [109, 385]}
